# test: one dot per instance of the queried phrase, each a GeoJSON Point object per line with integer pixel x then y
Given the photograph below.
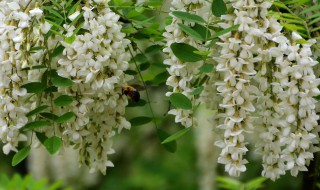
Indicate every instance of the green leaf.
{"type": "Point", "coordinates": [228, 183]}
{"type": "Point", "coordinates": [203, 31]}
{"type": "Point", "coordinates": [128, 28]}
{"type": "Point", "coordinates": [202, 53]}
{"type": "Point", "coordinates": [153, 48]}
{"type": "Point", "coordinates": [313, 16]}
{"type": "Point", "coordinates": [203, 80]}
{"type": "Point", "coordinates": [302, 41]}
{"type": "Point", "coordinates": [44, 77]}
{"type": "Point", "coordinates": [28, 98]}
{"type": "Point", "coordinates": [130, 72]}
{"type": "Point", "coordinates": [132, 14]}
{"type": "Point", "coordinates": [311, 8]}
{"type": "Point", "coordinates": [56, 24]}
{"type": "Point", "coordinates": [139, 9]}
{"type": "Point", "coordinates": [56, 33]}
{"type": "Point", "coordinates": [137, 121]}
{"type": "Point", "coordinates": [34, 67]}
{"type": "Point", "coordinates": [65, 117]}
{"type": "Point", "coordinates": [56, 4]}
{"type": "Point", "coordinates": [20, 156]}
{"type": "Point", "coordinates": [281, 5]}
{"type": "Point", "coordinates": [218, 8]}
{"type": "Point", "coordinates": [180, 101]}
{"type": "Point", "coordinates": [70, 39]}
{"type": "Point", "coordinates": [298, 3]}
{"type": "Point", "coordinates": [168, 20]}
{"type": "Point", "coordinates": [34, 87]}
{"type": "Point", "coordinates": [136, 104]}
{"type": "Point", "coordinates": [171, 146]}
{"type": "Point", "coordinates": [293, 27]}
{"type": "Point", "coordinates": [206, 68]}
{"type": "Point", "coordinates": [154, 4]}
{"type": "Point", "coordinates": [290, 16]}
{"type": "Point", "coordinates": [160, 78]}
{"type": "Point", "coordinates": [52, 11]}
{"type": "Point", "coordinates": [140, 36]}
{"type": "Point", "coordinates": [26, 181]}
{"type": "Point", "coordinates": [37, 110]}
{"type": "Point", "coordinates": [225, 31]}
{"type": "Point", "coordinates": [62, 82]}
{"type": "Point", "coordinates": [52, 73]}
{"type": "Point", "coordinates": [287, 18]}
{"type": "Point", "coordinates": [315, 29]}
{"type": "Point", "coordinates": [57, 185]}
{"type": "Point", "coordinates": [51, 89]}
{"type": "Point", "coordinates": [4, 180]}
{"type": "Point", "coordinates": [255, 183]}
{"type": "Point", "coordinates": [41, 137]}
{"type": "Point", "coordinates": [185, 52]}
{"type": "Point", "coordinates": [197, 91]}
{"type": "Point", "coordinates": [75, 32]}
{"type": "Point", "coordinates": [144, 66]}
{"type": "Point", "coordinates": [63, 100]}
{"type": "Point", "coordinates": [48, 115]}
{"type": "Point", "coordinates": [36, 48]}
{"type": "Point", "coordinates": [52, 144]}
{"type": "Point", "coordinates": [176, 135]}
{"type": "Point", "coordinates": [188, 16]}
{"type": "Point", "coordinates": [57, 51]}
{"type": "Point", "coordinates": [189, 31]}
{"type": "Point", "coordinates": [16, 182]}
{"type": "Point", "coordinates": [314, 21]}
{"type": "Point", "coordinates": [141, 58]}
{"type": "Point", "coordinates": [35, 125]}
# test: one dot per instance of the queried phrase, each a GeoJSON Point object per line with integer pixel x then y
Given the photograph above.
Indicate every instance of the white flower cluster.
{"type": "Point", "coordinates": [181, 73]}
{"type": "Point", "coordinates": [266, 83]}
{"type": "Point", "coordinates": [14, 24]}
{"type": "Point", "coordinates": [237, 63]}
{"type": "Point", "coordinates": [266, 73]}
{"type": "Point", "coordinates": [296, 86]}
{"type": "Point", "coordinates": [95, 61]}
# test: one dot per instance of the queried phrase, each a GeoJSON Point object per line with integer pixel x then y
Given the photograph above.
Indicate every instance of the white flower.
{"type": "Point", "coordinates": [7, 148]}
{"type": "Point", "coordinates": [45, 27]}
{"type": "Point", "coordinates": [36, 12]}
{"type": "Point", "coordinates": [14, 6]}
{"type": "Point", "coordinates": [74, 15]}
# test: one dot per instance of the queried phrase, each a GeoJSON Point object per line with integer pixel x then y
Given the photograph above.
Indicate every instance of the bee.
{"type": "Point", "coordinates": [131, 92]}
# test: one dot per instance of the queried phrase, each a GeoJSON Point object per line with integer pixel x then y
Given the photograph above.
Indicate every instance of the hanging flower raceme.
{"type": "Point", "coordinates": [82, 86]}
{"type": "Point", "coordinates": [236, 63]}
{"type": "Point", "coordinates": [267, 73]}
{"type": "Point", "coordinates": [300, 86]}
{"type": "Point", "coordinates": [14, 24]}
{"type": "Point", "coordinates": [183, 74]}
{"type": "Point", "coordinates": [95, 61]}
{"type": "Point", "coordinates": [289, 138]}
{"type": "Point", "coordinates": [258, 70]}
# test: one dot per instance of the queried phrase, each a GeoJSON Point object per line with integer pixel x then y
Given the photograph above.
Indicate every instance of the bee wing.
{"type": "Point", "coordinates": [138, 87]}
